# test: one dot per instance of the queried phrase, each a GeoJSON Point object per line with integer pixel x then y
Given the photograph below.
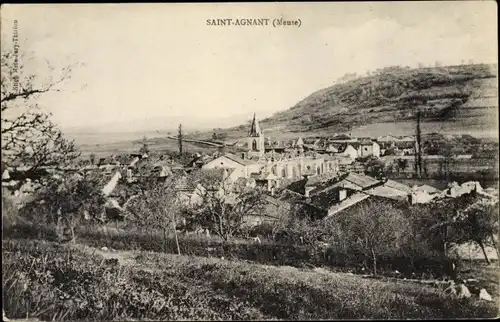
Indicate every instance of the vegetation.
{"type": "Point", "coordinates": [155, 207]}
{"type": "Point", "coordinates": [29, 137]}
{"type": "Point", "coordinates": [223, 206]}
{"type": "Point", "coordinates": [51, 281]}
{"type": "Point", "coordinates": [66, 202]}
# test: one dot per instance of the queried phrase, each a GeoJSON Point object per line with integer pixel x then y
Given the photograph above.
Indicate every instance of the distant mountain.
{"type": "Point", "coordinates": [461, 99]}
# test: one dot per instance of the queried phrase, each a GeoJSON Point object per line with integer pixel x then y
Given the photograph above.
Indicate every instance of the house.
{"type": "Point", "coordinates": [348, 150]}
{"type": "Point", "coordinates": [387, 139]}
{"type": "Point", "coordinates": [390, 190]}
{"type": "Point", "coordinates": [242, 167]}
{"type": "Point", "coordinates": [367, 148]}
{"type": "Point", "coordinates": [428, 189]}
{"type": "Point", "coordinates": [405, 148]}
{"type": "Point", "coordinates": [5, 175]}
{"type": "Point", "coordinates": [331, 148]}
{"type": "Point", "coordinates": [267, 179]}
{"type": "Point", "coordinates": [327, 198]}
{"type": "Point", "coordinates": [455, 190]}
{"type": "Point", "coordinates": [299, 142]}
{"type": "Point", "coordinates": [110, 186]}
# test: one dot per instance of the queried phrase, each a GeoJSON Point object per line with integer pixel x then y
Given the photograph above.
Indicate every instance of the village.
{"type": "Point", "coordinates": [321, 177]}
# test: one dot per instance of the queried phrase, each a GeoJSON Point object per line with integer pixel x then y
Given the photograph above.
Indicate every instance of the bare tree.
{"type": "Point", "coordinates": [145, 148]}
{"type": "Point", "coordinates": [478, 223]}
{"type": "Point", "coordinates": [156, 206]}
{"type": "Point", "coordinates": [28, 134]}
{"type": "Point", "coordinates": [92, 158]}
{"type": "Point", "coordinates": [223, 206]}
{"type": "Point", "coordinates": [375, 228]}
{"type": "Point", "coordinates": [67, 200]}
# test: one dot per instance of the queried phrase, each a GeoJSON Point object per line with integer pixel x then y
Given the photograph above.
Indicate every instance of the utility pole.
{"type": "Point", "coordinates": [180, 139]}
{"type": "Point", "coordinates": [419, 148]}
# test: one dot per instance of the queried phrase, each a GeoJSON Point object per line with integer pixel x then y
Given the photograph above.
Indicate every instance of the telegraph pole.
{"type": "Point", "coordinates": [180, 139]}
{"type": "Point", "coordinates": [419, 149]}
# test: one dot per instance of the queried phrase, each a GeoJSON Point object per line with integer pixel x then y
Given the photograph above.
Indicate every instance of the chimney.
{"type": "Point", "coordinates": [342, 194]}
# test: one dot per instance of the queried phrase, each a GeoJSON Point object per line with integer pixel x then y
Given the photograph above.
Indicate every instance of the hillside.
{"type": "Point", "coordinates": [453, 99]}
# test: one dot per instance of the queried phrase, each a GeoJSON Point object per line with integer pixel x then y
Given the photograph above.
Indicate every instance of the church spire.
{"type": "Point", "coordinates": [255, 128]}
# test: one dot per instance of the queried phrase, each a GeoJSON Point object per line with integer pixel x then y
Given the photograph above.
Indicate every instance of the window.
{"type": "Point", "coordinates": [254, 145]}
{"type": "Point", "coordinates": [366, 148]}
{"type": "Point", "coordinates": [308, 167]}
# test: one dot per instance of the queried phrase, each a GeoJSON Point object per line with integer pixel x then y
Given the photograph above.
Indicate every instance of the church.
{"type": "Point", "coordinates": [262, 162]}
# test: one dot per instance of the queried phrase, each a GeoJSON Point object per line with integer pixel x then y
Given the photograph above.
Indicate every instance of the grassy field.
{"type": "Point", "coordinates": [68, 282]}
{"type": "Point", "coordinates": [133, 144]}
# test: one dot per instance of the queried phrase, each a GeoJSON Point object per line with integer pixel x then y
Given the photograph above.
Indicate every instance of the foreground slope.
{"type": "Point", "coordinates": [59, 282]}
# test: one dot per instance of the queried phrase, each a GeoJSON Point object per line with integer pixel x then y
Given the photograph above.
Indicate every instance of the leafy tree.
{"type": "Point", "coordinates": [375, 168]}
{"type": "Point", "coordinates": [29, 137]}
{"type": "Point", "coordinates": [402, 164]}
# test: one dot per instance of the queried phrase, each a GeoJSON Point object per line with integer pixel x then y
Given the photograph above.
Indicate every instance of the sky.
{"type": "Point", "coordinates": [160, 64]}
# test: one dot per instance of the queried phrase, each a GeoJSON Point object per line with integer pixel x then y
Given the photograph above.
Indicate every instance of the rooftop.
{"type": "Point", "coordinates": [237, 159]}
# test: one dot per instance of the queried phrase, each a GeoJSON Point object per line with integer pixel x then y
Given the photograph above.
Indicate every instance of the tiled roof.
{"type": "Point", "coordinates": [237, 159]}
{"type": "Point", "coordinates": [348, 202]}
{"type": "Point", "coordinates": [405, 144]}
{"type": "Point", "coordinates": [359, 180]}
{"type": "Point", "coordinates": [428, 189]}
{"type": "Point", "coordinates": [325, 200]}
{"type": "Point", "coordinates": [342, 137]}
{"type": "Point", "coordinates": [398, 186]}
{"type": "Point", "coordinates": [388, 192]}
{"type": "Point", "coordinates": [321, 178]}
{"type": "Point", "coordinates": [204, 177]}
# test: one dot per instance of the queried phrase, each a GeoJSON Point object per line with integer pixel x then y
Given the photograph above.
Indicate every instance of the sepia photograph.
{"type": "Point", "coordinates": [250, 161]}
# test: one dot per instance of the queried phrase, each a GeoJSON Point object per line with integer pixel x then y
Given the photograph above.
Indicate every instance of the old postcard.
{"type": "Point", "coordinates": [250, 161]}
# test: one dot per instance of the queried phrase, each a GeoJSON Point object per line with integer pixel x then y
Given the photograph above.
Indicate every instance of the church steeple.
{"type": "Point", "coordinates": [255, 128]}
{"type": "Point", "coordinates": [255, 139]}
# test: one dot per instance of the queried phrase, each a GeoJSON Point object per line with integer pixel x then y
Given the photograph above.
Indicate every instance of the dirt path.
{"type": "Point", "coordinates": [125, 258]}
